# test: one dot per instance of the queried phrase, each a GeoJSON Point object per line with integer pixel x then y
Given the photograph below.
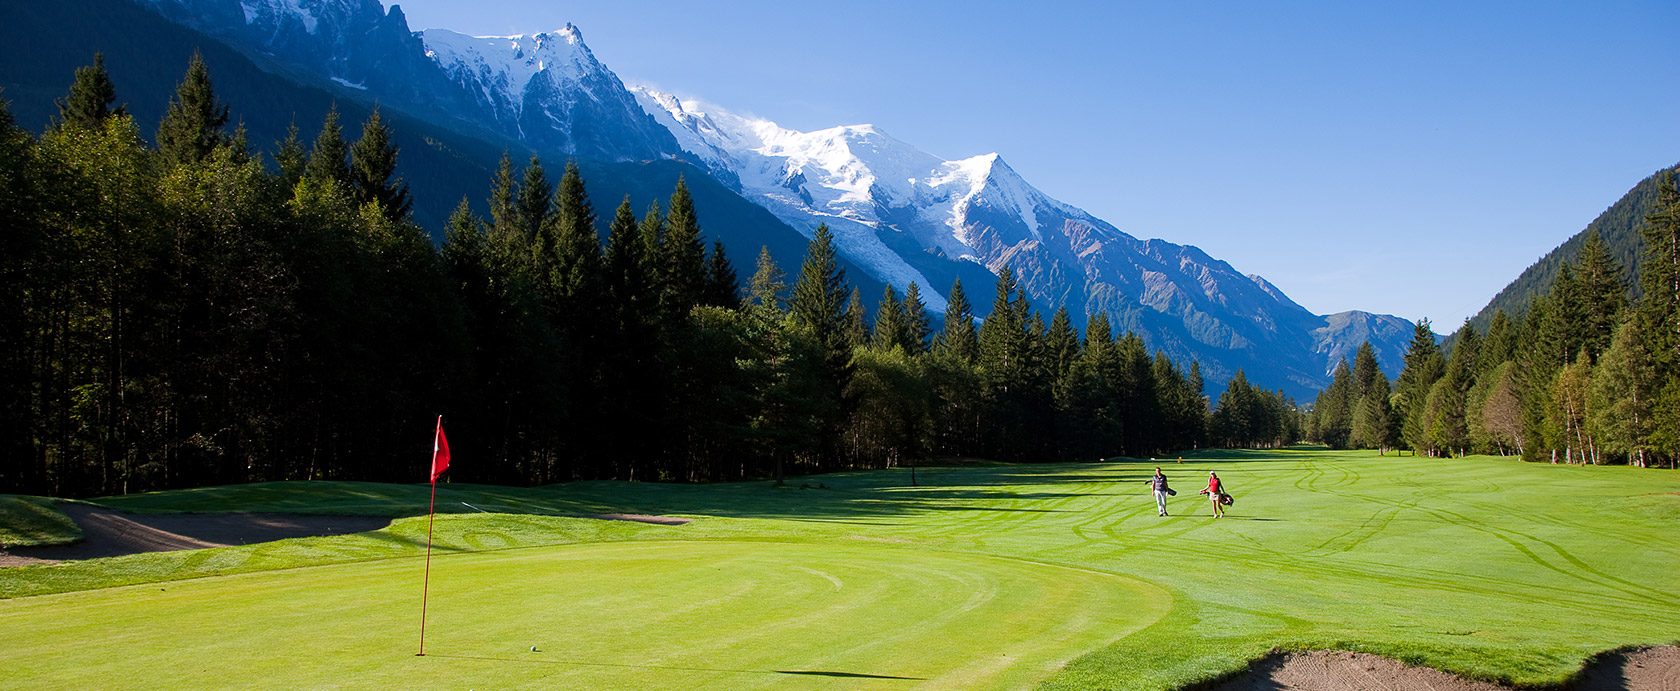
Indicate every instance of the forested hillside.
{"type": "Point", "coordinates": [1585, 372]}
{"type": "Point", "coordinates": [205, 312]}
{"type": "Point", "coordinates": [1618, 227]}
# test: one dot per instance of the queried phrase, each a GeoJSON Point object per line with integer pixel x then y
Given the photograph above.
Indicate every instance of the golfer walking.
{"type": "Point", "coordinates": [1215, 488]}
{"type": "Point", "coordinates": [1159, 484]}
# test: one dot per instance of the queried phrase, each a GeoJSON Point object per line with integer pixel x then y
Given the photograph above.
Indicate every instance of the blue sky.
{"type": "Point", "coordinates": [1403, 158]}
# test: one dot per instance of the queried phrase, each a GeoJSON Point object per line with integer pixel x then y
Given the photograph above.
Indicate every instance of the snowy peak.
{"type": "Point", "coordinates": [502, 68]}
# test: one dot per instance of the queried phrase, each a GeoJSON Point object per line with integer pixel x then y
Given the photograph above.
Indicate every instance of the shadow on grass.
{"type": "Point", "coordinates": [580, 663]}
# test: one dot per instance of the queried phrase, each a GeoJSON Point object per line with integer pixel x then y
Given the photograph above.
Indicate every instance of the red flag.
{"type": "Point", "coordinates": [440, 452]}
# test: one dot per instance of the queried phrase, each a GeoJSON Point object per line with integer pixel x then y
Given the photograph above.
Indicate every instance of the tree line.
{"type": "Point", "coordinates": [194, 312]}
{"type": "Point", "coordinates": [1586, 374]}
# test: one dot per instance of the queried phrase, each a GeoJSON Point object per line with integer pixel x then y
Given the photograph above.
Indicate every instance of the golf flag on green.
{"type": "Point", "coordinates": [440, 463]}
{"type": "Point", "coordinates": [440, 452]}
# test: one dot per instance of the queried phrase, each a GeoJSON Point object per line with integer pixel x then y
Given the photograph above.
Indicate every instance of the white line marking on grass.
{"type": "Point", "coordinates": [838, 584]}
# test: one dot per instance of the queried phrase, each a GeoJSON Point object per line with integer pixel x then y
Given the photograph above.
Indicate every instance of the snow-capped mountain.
{"type": "Point", "coordinates": [899, 214]}
{"type": "Point", "coordinates": [910, 215]}
{"type": "Point", "coordinates": [544, 90]}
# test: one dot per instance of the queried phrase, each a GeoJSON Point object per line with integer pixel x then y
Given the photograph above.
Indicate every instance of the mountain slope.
{"type": "Point", "coordinates": [41, 45]}
{"type": "Point", "coordinates": [1619, 228]}
{"type": "Point", "coordinates": [910, 216]}
{"type": "Point", "coordinates": [899, 214]}
{"type": "Point", "coordinates": [544, 90]}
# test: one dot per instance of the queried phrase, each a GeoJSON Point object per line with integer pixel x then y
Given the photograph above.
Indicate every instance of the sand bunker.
{"type": "Point", "coordinates": [108, 533]}
{"type": "Point", "coordinates": [1649, 669]}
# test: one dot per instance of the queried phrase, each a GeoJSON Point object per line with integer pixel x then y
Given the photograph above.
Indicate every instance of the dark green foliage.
{"type": "Point", "coordinates": [88, 104]}
{"type": "Point", "coordinates": [890, 330]}
{"type": "Point", "coordinates": [192, 127]}
{"type": "Point", "coordinates": [1619, 229]}
{"type": "Point", "coordinates": [916, 320]}
{"type": "Point", "coordinates": [326, 158]}
{"type": "Point", "coordinates": [532, 204]}
{"type": "Point", "coordinates": [723, 287]}
{"type": "Point", "coordinates": [182, 319]}
{"type": "Point", "coordinates": [769, 282]}
{"type": "Point", "coordinates": [291, 157]}
{"type": "Point", "coordinates": [819, 293]}
{"type": "Point", "coordinates": [373, 164]}
{"type": "Point", "coordinates": [958, 339]}
{"type": "Point", "coordinates": [682, 257]}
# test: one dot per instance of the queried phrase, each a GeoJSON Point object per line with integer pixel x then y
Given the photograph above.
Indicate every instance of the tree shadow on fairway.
{"type": "Point", "coordinates": [579, 663]}
{"type": "Point", "coordinates": [847, 675]}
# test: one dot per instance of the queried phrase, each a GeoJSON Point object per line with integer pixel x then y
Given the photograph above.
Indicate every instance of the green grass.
{"type": "Point", "coordinates": [33, 522]}
{"type": "Point", "coordinates": [1057, 576]}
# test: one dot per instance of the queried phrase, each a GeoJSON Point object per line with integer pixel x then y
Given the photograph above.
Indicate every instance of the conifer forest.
{"type": "Point", "coordinates": [187, 307]}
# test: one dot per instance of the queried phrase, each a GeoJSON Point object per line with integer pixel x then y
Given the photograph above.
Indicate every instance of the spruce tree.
{"type": "Point", "coordinates": [191, 128]}
{"type": "Point", "coordinates": [857, 332]}
{"type": "Point", "coordinates": [819, 293]}
{"type": "Point", "coordinates": [1659, 276]}
{"type": "Point", "coordinates": [1603, 295]}
{"type": "Point", "coordinates": [373, 165]}
{"type": "Point", "coordinates": [890, 331]}
{"type": "Point", "coordinates": [577, 272]}
{"type": "Point", "coordinates": [958, 339]}
{"type": "Point", "coordinates": [1365, 369]}
{"type": "Point", "coordinates": [534, 202]}
{"type": "Point", "coordinates": [292, 158]}
{"type": "Point", "coordinates": [1061, 344]}
{"type": "Point", "coordinates": [326, 158]}
{"type": "Point", "coordinates": [769, 283]}
{"type": "Point", "coordinates": [88, 103]}
{"type": "Point", "coordinates": [504, 210]}
{"type": "Point", "coordinates": [723, 287]}
{"type": "Point", "coordinates": [627, 282]}
{"type": "Point", "coordinates": [916, 318]}
{"type": "Point", "coordinates": [682, 255]}
{"type": "Point", "coordinates": [1424, 365]}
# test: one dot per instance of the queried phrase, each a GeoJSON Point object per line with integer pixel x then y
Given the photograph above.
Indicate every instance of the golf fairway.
{"type": "Point", "coordinates": [661, 615]}
{"type": "Point", "coordinates": [998, 576]}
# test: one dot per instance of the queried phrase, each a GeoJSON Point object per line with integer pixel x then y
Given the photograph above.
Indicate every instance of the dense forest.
{"type": "Point", "coordinates": [194, 312]}
{"type": "Point", "coordinates": [1587, 373]}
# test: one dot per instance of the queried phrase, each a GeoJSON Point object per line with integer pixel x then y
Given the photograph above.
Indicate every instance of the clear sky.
{"type": "Point", "coordinates": [1405, 158]}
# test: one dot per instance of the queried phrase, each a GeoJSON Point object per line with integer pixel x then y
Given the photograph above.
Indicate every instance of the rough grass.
{"type": "Point", "coordinates": [1485, 567]}
{"type": "Point", "coordinates": [33, 522]}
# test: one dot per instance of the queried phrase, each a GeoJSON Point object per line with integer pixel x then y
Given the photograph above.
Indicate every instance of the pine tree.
{"type": "Point", "coordinates": [1335, 422]}
{"type": "Point", "coordinates": [1500, 344]}
{"type": "Point", "coordinates": [769, 283]}
{"type": "Point", "coordinates": [723, 287]}
{"type": "Point", "coordinates": [534, 202]}
{"type": "Point", "coordinates": [819, 293]}
{"type": "Point", "coordinates": [290, 155]}
{"type": "Point", "coordinates": [1061, 344]}
{"type": "Point", "coordinates": [577, 272]}
{"type": "Point", "coordinates": [856, 332]}
{"type": "Point", "coordinates": [326, 158]}
{"type": "Point", "coordinates": [958, 339]}
{"type": "Point", "coordinates": [1365, 370]}
{"type": "Point", "coordinates": [1602, 294]}
{"type": "Point", "coordinates": [191, 128]}
{"type": "Point", "coordinates": [373, 164]}
{"type": "Point", "coordinates": [682, 255]}
{"type": "Point", "coordinates": [89, 102]}
{"type": "Point", "coordinates": [1424, 366]}
{"type": "Point", "coordinates": [504, 211]}
{"type": "Point", "coordinates": [916, 319]}
{"type": "Point", "coordinates": [890, 331]}
{"type": "Point", "coordinates": [1659, 276]}
{"type": "Point", "coordinates": [1621, 398]}
{"type": "Point", "coordinates": [627, 281]}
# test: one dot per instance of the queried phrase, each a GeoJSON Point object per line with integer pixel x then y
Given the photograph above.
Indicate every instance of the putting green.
{"type": "Point", "coordinates": [639, 615]}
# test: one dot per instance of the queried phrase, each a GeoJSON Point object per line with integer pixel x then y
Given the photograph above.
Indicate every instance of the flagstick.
{"type": "Point", "coordinates": [425, 587]}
